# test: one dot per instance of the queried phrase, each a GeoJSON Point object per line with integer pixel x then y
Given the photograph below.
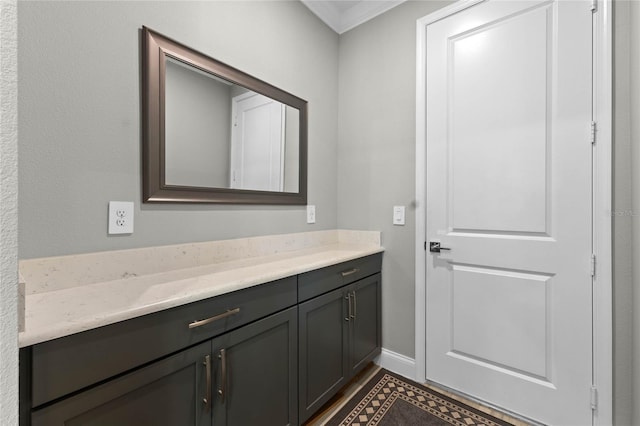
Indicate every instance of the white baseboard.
{"type": "Point", "coordinates": [397, 363]}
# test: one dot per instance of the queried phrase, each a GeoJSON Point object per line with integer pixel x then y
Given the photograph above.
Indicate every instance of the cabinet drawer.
{"type": "Point", "coordinates": [68, 364]}
{"type": "Point", "coordinates": [314, 283]}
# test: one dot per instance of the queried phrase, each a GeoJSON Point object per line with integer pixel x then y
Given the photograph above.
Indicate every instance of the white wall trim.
{"type": "Point", "coordinates": [397, 363]}
{"type": "Point", "coordinates": [421, 197]}
{"type": "Point", "coordinates": [602, 215]}
{"type": "Point", "coordinates": [446, 12]}
{"type": "Point", "coordinates": [603, 291]}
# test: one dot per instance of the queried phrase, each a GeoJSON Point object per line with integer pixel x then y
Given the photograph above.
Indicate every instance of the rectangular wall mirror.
{"type": "Point", "coordinates": [214, 134]}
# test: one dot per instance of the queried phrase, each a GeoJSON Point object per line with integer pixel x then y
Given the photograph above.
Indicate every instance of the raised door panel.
{"type": "Point", "coordinates": [166, 393]}
{"type": "Point", "coordinates": [255, 373]}
{"type": "Point", "coordinates": [323, 350]}
{"type": "Point", "coordinates": [498, 174]}
{"type": "Point", "coordinates": [365, 336]}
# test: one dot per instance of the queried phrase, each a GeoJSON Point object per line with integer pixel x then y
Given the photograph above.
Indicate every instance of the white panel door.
{"type": "Point", "coordinates": [509, 173]}
{"type": "Point", "coordinates": [257, 143]}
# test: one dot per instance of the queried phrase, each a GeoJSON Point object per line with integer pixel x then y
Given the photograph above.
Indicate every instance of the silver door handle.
{"type": "Point", "coordinates": [436, 247]}
{"type": "Point", "coordinates": [214, 318]}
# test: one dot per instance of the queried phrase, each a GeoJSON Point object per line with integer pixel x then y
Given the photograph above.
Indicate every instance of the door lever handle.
{"type": "Point", "coordinates": [435, 247]}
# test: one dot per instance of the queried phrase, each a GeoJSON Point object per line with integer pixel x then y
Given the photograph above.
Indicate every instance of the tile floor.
{"type": "Point", "coordinates": [335, 404]}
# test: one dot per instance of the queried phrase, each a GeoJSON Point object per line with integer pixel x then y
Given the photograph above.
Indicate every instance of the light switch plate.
{"type": "Point", "coordinates": [120, 217]}
{"type": "Point", "coordinates": [311, 214]}
{"type": "Point", "coordinates": [398, 215]}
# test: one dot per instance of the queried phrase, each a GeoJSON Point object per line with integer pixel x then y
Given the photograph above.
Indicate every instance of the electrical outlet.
{"type": "Point", "coordinates": [311, 214]}
{"type": "Point", "coordinates": [120, 217]}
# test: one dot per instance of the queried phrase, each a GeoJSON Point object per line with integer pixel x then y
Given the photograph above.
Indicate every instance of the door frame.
{"type": "Point", "coordinates": [602, 200]}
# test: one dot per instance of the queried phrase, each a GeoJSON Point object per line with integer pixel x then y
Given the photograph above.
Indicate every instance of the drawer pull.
{"type": "Point", "coordinates": [214, 318]}
{"type": "Point", "coordinates": [351, 272]}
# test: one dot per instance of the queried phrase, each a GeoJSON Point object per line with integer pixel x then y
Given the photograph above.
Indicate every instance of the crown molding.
{"type": "Point", "coordinates": [364, 11]}
{"type": "Point", "coordinates": [328, 13]}
{"type": "Point", "coordinates": [352, 17]}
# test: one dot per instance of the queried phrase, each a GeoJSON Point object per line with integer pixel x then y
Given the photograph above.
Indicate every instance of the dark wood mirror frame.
{"type": "Point", "coordinates": [155, 48]}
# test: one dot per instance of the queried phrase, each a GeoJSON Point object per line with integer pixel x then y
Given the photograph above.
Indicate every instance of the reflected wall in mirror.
{"type": "Point", "coordinates": [215, 134]}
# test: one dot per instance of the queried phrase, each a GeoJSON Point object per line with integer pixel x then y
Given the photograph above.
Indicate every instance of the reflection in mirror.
{"type": "Point", "coordinates": [221, 135]}
{"type": "Point", "coordinates": [197, 129]}
{"type": "Point", "coordinates": [215, 134]}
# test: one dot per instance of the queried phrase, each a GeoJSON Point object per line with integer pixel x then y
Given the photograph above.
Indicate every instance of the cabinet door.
{"type": "Point", "coordinates": [365, 326]}
{"type": "Point", "coordinates": [323, 350]}
{"type": "Point", "coordinates": [255, 380]}
{"type": "Point", "coordinates": [168, 392]}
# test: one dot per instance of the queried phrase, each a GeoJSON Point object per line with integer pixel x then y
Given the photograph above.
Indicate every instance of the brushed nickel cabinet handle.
{"type": "Point", "coordinates": [223, 379]}
{"type": "Point", "coordinates": [214, 318]}
{"type": "Point", "coordinates": [350, 272]}
{"type": "Point", "coordinates": [355, 305]}
{"type": "Point", "coordinates": [207, 398]}
{"type": "Point", "coordinates": [348, 298]}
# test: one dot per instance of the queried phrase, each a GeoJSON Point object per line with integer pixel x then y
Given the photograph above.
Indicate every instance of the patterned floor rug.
{"type": "Point", "coordinates": [391, 400]}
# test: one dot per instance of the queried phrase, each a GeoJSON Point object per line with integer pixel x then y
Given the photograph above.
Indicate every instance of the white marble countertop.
{"type": "Point", "coordinates": [64, 310]}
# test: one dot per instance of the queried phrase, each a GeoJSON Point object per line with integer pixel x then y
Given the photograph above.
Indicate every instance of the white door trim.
{"type": "Point", "coordinates": [602, 214]}
{"type": "Point", "coordinates": [602, 204]}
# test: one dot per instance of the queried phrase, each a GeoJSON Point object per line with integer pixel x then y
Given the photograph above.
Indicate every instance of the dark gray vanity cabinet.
{"type": "Point", "coordinates": [163, 368]}
{"type": "Point", "coordinates": [168, 392]}
{"type": "Point", "coordinates": [365, 337]}
{"type": "Point", "coordinates": [271, 354]}
{"type": "Point", "coordinates": [255, 376]}
{"type": "Point", "coordinates": [323, 350]}
{"type": "Point", "coordinates": [244, 377]}
{"type": "Point", "coordinates": [340, 331]}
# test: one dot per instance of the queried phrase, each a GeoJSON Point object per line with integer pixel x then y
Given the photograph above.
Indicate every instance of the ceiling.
{"type": "Point", "coordinates": [343, 15]}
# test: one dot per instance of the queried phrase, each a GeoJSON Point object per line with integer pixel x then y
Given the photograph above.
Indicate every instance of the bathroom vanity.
{"type": "Point", "coordinates": [268, 341]}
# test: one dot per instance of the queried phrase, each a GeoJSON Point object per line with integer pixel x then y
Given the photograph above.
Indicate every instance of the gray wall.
{"type": "Point", "coordinates": [622, 219]}
{"type": "Point", "coordinates": [376, 152]}
{"type": "Point", "coordinates": [376, 170]}
{"type": "Point", "coordinates": [79, 116]}
{"type": "Point", "coordinates": [634, 107]}
{"type": "Point", "coordinates": [197, 128]}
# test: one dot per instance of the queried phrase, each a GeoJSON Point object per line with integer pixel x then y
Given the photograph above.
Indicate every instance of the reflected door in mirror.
{"type": "Point", "coordinates": [263, 131]}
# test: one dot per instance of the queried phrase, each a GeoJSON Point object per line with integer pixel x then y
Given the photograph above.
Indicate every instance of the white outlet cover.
{"type": "Point", "coordinates": [398, 215]}
{"type": "Point", "coordinates": [311, 214]}
{"type": "Point", "coordinates": [120, 217]}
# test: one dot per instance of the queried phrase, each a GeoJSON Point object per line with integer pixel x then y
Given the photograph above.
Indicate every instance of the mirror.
{"type": "Point", "coordinates": [213, 134]}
